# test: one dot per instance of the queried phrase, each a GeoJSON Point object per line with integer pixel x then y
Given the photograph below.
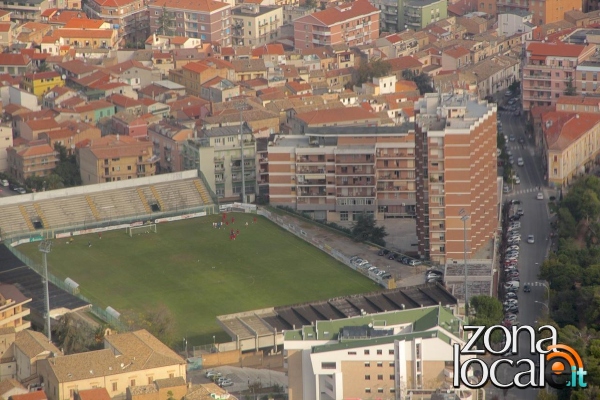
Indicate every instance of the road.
{"type": "Point", "coordinates": [536, 221]}
{"type": "Point", "coordinates": [6, 192]}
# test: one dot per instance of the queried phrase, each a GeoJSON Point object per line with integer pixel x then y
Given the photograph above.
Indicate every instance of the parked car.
{"type": "Point", "coordinates": [211, 373]}
{"type": "Point", "coordinates": [414, 263]}
{"type": "Point", "coordinates": [20, 190]}
{"type": "Point", "coordinates": [511, 286]}
{"type": "Point", "coordinates": [514, 217]}
{"type": "Point", "coordinates": [520, 162]}
{"type": "Point", "coordinates": [4, 182]}
{"type": "Point", "coordinates": [515, 201]}
{"type": "Point", "coordinates": [383, 252]}
{"type": "Point", "coordinates": [517, 180]}
{"type": "Point", "coordinates": [515, 225]}
{"type": "Point", "coordinates": [510, 295]}
{"type": "Point", "coordinates": [392, 256]}
{"type": "Point", "coordinates": [226, 382]}
{"type": "Point", "coordinates": [513, 309]}
{"type": "Point", "coordinates": [540, 196]}
{"type": "Point", "coordinates": [520, 212]}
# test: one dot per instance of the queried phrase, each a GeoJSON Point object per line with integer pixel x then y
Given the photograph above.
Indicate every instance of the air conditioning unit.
{"type": "Point", "coordinates": [168, 159]}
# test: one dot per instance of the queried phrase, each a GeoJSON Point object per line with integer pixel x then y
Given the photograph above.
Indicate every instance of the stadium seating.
{"type": "Point", "coordinates": [108, 205]}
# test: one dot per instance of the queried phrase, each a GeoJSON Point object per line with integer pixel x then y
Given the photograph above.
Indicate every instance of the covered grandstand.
{"type": "Point", "coordinates": [263, 329]}
{"type": "Point", "coordinates": [47, 213]}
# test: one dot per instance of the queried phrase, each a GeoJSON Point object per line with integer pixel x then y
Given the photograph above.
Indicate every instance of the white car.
{"type": "Point", "coordinates": [540, 196]}
{"type": "Point", "coordinates": [530, 239]}
{"type": "Point", "coordinates": [512, 286]}
{"type": "Point", "coordinates": [520, 161]}
{"type": "Point", "coordinates": [515, 225]}
{"type": "Point", "coordinates": [517, 180]}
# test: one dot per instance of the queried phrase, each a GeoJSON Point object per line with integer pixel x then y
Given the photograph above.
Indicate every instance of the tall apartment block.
{"type": "Point", "coordinates": [337, 173]}
{"type": "Point", "coordinates": [455, 149]}
{"type": "Point", "coordinates": [549, 69]}
{"type": "Point", "coordinates": [130, 17]}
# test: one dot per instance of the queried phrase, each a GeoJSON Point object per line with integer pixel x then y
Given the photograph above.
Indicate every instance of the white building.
{"type": "Point", "coordinates": [516, 23]}
{"type": "Point", "coordinates": [6, 141]}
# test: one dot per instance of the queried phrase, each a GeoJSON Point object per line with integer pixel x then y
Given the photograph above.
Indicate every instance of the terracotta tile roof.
{"type": "Point", "coordinates": [72, 102]}
{"type": "Point", "coordinates": [93, 105]}
{"type": "Point", "coordinates": [5, 26]}
{"type": "Point", "coordinates": [42, 124]}
{"type": "Point", "coordinates": [298, 86]}
{"type": "Point", "coordinates": [249, 65]}
{"type": "Point", "coordinates": [197, 5]}
{"type": "Point", "coordinates": [65, 16]}
{"type": "Point", "coordinates": [335, 115]}
{"type": "Point", "coordinates": [402, 63]}
{"type": "Point", "coordinates": [39, 395]}
{"type": "Point", "coordinates": [49, 12]}
{"type": "Point", "coordinates": [113, 3]}
{"type": "Point", "coordinates": [77, 67]}
{"type": "Point", "coordinates": [34, 27]}
{"type": "Point", "coordinates": [584, 100]}
{"type": "Point", "coordinates": [79, 23]}
{"type": "Point", "coordinates": [227, 51]}
{"type": "Point", "coordinates": [93, 394]}
{"type": "Point", "coordinates": [123, 101]}
{"type": "Point", "coordinates": [276, 49]}
{"type": "Point", "coordinates": [124, 66]}
{"type": "Point", "coordinates": [42, 75]}
{"type": "Point", "coordinates": [37, 150]}
{"type": "Point", "coordinates": [13, 108]}
{"type": "Point", "coordinates": [555, 49]}
{"type": "Point", "coordinates": [9, 384]}
{"type": "Point", "coordinates": [85, 33]}
{"type": "Point", "coordinates": [207, 391]}
{"type": "Point", "coordinates": [196, 67]}
{"type": "Point", "coordinates": [14, 59]}
{"type": "Point", "coordinates": [457, 52]}
{"type": "Point", "coordinates": [566, 128]}
{"type": "Point", "coordinates": [339, 14]}
{"type": "Point", "coordinates": [170, 382]}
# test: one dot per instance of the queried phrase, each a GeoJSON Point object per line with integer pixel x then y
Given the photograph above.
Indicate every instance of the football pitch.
{"type": "Point", "coordinates": [198, 272]}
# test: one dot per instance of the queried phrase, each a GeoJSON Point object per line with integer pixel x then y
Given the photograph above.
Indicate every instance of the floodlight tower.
{"type": "Point", "coordinates": [45, 247]}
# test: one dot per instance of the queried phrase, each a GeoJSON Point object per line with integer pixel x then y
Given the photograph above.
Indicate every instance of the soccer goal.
{"type": "Point", "coordinates": [142, 229]}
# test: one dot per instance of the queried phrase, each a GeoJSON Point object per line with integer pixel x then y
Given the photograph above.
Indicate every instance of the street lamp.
{"type": "Point", "coordinates": [45, 247]}
{"type": "Point", "coordinates": [464, 217]}
{"type": "Point", "coordinates": [241, 107]}
{"type": "Point", "coordinates": [544, 304]}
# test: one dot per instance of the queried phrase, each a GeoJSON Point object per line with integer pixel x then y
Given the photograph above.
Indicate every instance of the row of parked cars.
{"type": "Point", "coordinates": [365, 265]}
{"type": "Point", "coordinates": [434, 275]}
{"type": "Point", "coordinates": [218, 378]}
{"type": "Point", "coordinates": [399, 257]}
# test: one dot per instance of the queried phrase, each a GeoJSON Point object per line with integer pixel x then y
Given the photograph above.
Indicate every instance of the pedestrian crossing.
{"type": "Point", "coordinates": [522, 191]}
{"type": "Point", "coordinates": [532, 284]}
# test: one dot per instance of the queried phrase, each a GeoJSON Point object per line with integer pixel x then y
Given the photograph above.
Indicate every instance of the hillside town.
{"type": "Point", "coordinates": [453, 124]}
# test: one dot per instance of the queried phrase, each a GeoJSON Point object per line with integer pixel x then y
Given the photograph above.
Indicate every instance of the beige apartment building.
{"type": "Point", "coordinates": [217, 152]}
{"type": "Point", "coordinates": [12, 308]}
{"type": "Point", "coordinates": [115, 158]}
{"type": "Point", "coordinates": [127, 360]}
{"type": "Point", "coordinates": [338, 173]}
{"type": "Point", "coordinates": [355, 358]}
{"type": "Point", "coordinates": [456, 170]}
{"type": "Point", "coordinates": [209, 21]}
{"type": "Point", "coordinates": [36, 158]}
{"type": "Point", "coordinates": [255, 25]}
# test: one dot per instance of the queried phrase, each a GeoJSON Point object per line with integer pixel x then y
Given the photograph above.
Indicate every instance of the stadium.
{"type": "Point", "coordinates": [129, 268]}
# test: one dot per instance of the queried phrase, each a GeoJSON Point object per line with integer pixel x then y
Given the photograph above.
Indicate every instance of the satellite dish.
{"type": "Point", "coordinates": [64, 77]}
{"type": "Point", "coordinates": [370, 325]}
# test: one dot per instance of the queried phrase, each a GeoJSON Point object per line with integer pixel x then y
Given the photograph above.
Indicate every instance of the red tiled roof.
{"type": "Point", "coordinates": [113, 3]}
{"type": "Point", "coordinates": [85, 33]}
{"type": "Point", "coordinates": [585, 100]}
{"type": "Point", "coordinates": [41, 124]}
{"type": "Point", "coordinates": [5, 26]}
{"type": "Point", "coordinates": [123, 101]}
{"type": "Point", "coordinates": [402, 63]}
{"type": "Point", "coordinates": [336, 15]}
{"type": "Point", "coordinates": [39, 395]}
{"type": "Point", "coordinates": [42, 75]}
{"type": "Point", "coordinates": [335, 115]}
{"type": "Point", "coordinates": [94, 394]}
{"type": "Point", "coordinates": [78, 23]}
{"type": "Point", "coordinates": [268, 49]}
{"type": "Point", "coordinates": [198, 5]}
{"type": "Point", "coordinates": [196, 67]}
{"type": "Point", "coordinates": [457, 52]}
{"type": "Point", "coordinates": [14, 59]}
{"type": "Point", "coordinates": [555, 49]}
{"type": "Point", "coordinates": [566, 128]}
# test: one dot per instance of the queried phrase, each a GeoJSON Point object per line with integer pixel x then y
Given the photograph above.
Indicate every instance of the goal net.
{"type": "Point", "coordinates": [141, 230]}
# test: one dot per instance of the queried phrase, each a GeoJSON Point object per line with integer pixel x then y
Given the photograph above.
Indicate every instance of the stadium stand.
{"type": "Point", "coordinates": [104, 202]}
{"type": "Point", "coordinates": [244, 327]}
{"type": "Point", "coordinates": [30, 284]}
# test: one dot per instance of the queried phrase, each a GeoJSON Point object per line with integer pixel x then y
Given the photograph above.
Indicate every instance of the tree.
{"type": "Point", "coordinates": [422, 80]}
{"type": "Point", "coordinates": [67, 169]}
{"type": "Point", "coordinates": [374, 69]}
{"type": "Point", "coordinates": [159, 322]}
{"type": "Point", "coordinates": [488, 311]}
{"type": "Point", "coordinates": [74, 335]}
{"type": "Point", "coordinates": [515, 86]}
{"type": "Point", "coordinates": [570, 90]}
{"type": "Point", "coordinates": [165, 23]}
{"type": "Point", "coordinates": [366, 230]}
{"type": "Point", "coordinates": [43, 67]}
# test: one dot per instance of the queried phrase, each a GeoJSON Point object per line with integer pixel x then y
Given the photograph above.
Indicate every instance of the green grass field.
{"type": "Point", "coordinates": [199, 273]}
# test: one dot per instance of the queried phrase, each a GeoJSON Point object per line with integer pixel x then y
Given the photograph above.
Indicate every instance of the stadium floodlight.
{"type": "Point", "coordinates": [45, 247]}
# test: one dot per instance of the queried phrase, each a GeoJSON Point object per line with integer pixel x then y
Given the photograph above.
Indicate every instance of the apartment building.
{"type": "Point", "coordinates": [12, 308]}
{"type": "Point", "coordinates": [549, 69]}
{"type": "Point", "coordinates": [357, 358]}
{"type": "Point", "coordinates": [549, 11]}
{"type": "Point", "coordinates": [127, 360]}
{"type": "Point", "coordinates": [218, 154]}
{"type": "Point", "coordinates": [6, 141]}
{"type": "Point", "coordinates": [35, 158]}
{"type": "Point", "coordinates": [41, 83]}
{"type": "Point", "coordinates": [129, 17]}
{"type": "Point", "coordinates": [24, 10]}
{"type": "Point", "coordinates": [207, 20]}
{"type": "Point", "coordinates": [353, 24]}
{"type": "Point", "coordinates": [255, 25]}
{"type": "Point", "coordinates": [420, 13]}
{"type": "Point", "coordinates": [168, 138]}
{"type": "Point", "coordinates": [389, 18]}
{"type": "Point", "coordinates": [114, 158]}
{"type": "Point", "coordinates": [338, 173]}
{"type": "Point", "coordinates": [456, 175]}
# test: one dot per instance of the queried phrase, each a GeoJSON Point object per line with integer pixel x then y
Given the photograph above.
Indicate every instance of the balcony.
{"type": "Point", "coordinates": [545, 77]}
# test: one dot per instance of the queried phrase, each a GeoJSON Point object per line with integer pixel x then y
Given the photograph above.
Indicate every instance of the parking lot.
{"type": "Point", "coordinates": [242, 377]}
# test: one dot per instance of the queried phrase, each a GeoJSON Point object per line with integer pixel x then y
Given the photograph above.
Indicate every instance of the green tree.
{"type": "Point", "coordinates": [43, 67]}
{"type": "Point", "coordinates": [159, 322]}
{"type": "Point", "coordinates": [570, 89]}
{"type": "Point", "coordinates": [374, 69]}
{"type": "Point", "coordinates": [589, 205]}
{"type": "Point", "coordinates": [67, 169]}
{"type": "Point", "coordinates": [165, 23]}
{"type": "Point", "coordinates": [74, 335]}
{"type": "Point", "coordinates": [488, 312]}
{"type": "Point", "coordinates": [567, 224]}
{"type": "Point", "coordinates": [422, 80]}
{"type": "Point", "coordinates": [515, 86]}
{"type": "Point", "coordinates": [366, 230]}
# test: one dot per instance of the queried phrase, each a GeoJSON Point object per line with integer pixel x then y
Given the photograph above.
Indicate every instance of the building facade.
{"type": "Point", "coordinates": [25, 10]}
{"type": "Point", "coordinates": [255, 25]}
{"type": "Point", "coordinates": [12, 308]}
{"type": "Point", "coordinates": [336, 174]}
{"type": "Point", "coordinates": [353, 24]}
{"type": "Point", "coordinates": [129, 17]}
{"type": "Point", "coordinates": [6, 141]}
{"type": "Point", "coordinates": [418, 14]}
{"type": "Point", "coordinates": [36, 158]}
{"type": "Point", "coordinates": [549, 69]}
{"type": "Point", "coordinates": [41, 83]}
{"type": "Point", "coordinates": [456, 170]}
{"type": "Point", "coordinates": [209, 21]}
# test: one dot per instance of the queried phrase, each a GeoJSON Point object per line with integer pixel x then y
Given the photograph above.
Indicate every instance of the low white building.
{"type": "Point", "coordinates": [516, 22]}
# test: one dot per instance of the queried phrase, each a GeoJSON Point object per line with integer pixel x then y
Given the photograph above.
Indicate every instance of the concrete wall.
{"type": "Point", "coordinates": [220, 358]}
{"type": "Point", "coordinates": [83, 190]}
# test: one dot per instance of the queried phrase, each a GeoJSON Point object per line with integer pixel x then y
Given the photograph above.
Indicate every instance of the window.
{"type": "Point", "coordinates": [379, 352]}
{"type": "Point", "coordinates": [380, 364]}
{"type": "Point", "coordinates": [367, 390]}
{"type": "Point", "coordinates": [171, 375]}
{"type": "Point", "coordinates": [391, 352]}
{"type": "Point", "coordinates": [351, 353]}
{"type": "Point", "coordinates": [380, 390]}
{"type": "Point", "coordinates": [129, 168]}
{"type": "Point", "coordinates": [367, 352]}
{"type": "Point", "coordinates": [392, 364]}
{"type": "Point", "coordinates": [344, 217]}
{"type": "Point", "coordinates": [328, 365]}
{"type": "Point", "coordinates": [367, 377]}
{"type": "Point", "coordinates": [391, 377]}
{"type": "Point", "coordinates": [150, 380]}
{"type": "Point", "coordinates": [367, 364]}
{"type": "Point", "coordinates": [114, 386]}
{"type": "Point", "coordinates": [132, 383]}
{"type": "Point", "coordinates": [379, 377]}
